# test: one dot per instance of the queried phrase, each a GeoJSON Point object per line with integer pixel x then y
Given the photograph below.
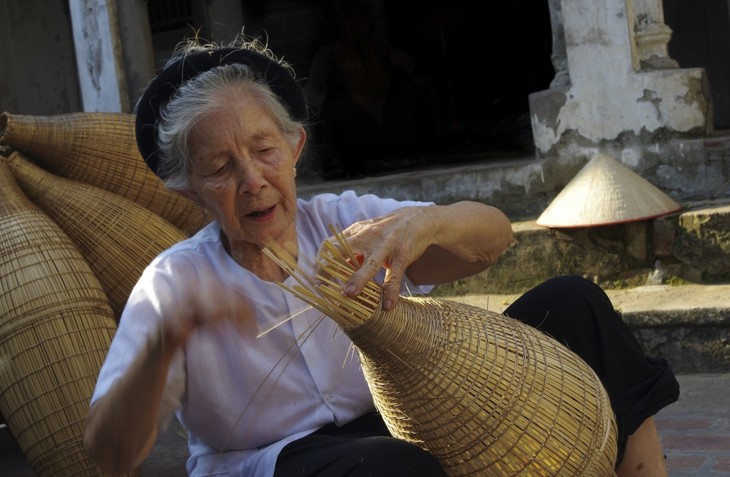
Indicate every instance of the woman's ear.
{"type": "Point", "coordinates": [297, 152]}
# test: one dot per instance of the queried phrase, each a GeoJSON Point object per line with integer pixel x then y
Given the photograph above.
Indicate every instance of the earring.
{"type": "Point", "coordinates": [295, 171]}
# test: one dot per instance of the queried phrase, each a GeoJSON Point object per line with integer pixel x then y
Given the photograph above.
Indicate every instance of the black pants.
{"type": "Point", "coordinates": [572, 310]}
{"type": "Point", "coordinates": [362, 448]}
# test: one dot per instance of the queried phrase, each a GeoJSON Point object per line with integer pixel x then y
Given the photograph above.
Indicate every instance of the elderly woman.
{"type": "Point", "coordinates": [225, 127]}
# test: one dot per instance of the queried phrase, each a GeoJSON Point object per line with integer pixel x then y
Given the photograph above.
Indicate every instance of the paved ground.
{"type": "Point", "coordinates": [695, 433]}
{"type": "Point", "coordinates": [695, 430]}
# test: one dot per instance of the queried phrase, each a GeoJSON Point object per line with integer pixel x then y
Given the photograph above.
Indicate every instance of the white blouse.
{"type": "Point", "coordinates": [242, 397]}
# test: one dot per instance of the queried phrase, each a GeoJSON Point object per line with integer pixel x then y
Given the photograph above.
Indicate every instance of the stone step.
{"type": "Point", "coordinates": [692, 246]}
{"type": "Point", "coordinates": [688, 247]}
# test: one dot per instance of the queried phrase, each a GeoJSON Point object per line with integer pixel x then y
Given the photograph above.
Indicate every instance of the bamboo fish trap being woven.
{"type": "Point", "coordinates": [55, 329]}
{"type": "Point", "coordinates": [485, 394]}
{"type": "Point", "coordinates": [116, 236]}
{"type": "Point", "coordinates": [98, 149]}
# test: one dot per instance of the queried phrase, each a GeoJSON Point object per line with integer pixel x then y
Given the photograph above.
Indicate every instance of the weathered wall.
{"type": "Point", "coordinates": [38, 74]}
{"type": "Point", "coordinates": [620, 91]}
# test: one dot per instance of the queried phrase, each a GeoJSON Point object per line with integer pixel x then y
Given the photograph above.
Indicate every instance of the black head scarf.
{"type": "Point", "coordinates": [176, 74]}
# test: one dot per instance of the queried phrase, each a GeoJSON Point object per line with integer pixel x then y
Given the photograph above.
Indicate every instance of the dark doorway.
{"type": "Point", "coordinates": [701, 38]}
{"type": "Point", "coordinates": [407, 84]}
{"type": "Point", "coordinates": [463, 97]}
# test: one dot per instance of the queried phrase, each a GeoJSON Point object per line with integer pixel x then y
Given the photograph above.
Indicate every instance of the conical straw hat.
{"type": "Point", "coordinates": [484, 393]}
{"type": "Point", "coordinates": [55, 330]}
{"type": "Point", "coordinates": [117, 237]}
{"type": "Point", "coordinates": [606, 192]}
{"type": "Point", "coordinates": [100, 149]}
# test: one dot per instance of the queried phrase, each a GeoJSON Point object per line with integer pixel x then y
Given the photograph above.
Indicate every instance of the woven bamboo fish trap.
{"type": "Point", "coordinates": [117, 237]}
{"type": "Point", "coordinates": [485, 394]}
{"type": "Point", "coordinates": [100, 149]}
{"type": "Point", "coordinates": [55, 329]}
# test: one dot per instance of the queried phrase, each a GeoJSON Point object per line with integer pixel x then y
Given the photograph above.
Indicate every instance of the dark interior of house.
{"type": "Point", "coordinates": [408, 84]}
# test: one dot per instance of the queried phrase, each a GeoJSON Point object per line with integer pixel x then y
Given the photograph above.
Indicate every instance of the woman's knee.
{"type": "Point", "coordinates": [565, 298]}
{"type": "Point", "coordinates": [573, 286]}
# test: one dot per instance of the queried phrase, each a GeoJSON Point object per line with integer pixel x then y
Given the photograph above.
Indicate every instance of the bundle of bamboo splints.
{"type": "Point", "coordinates": [484, 393]}
{"type": "Point", "coordinates": [80, 217]}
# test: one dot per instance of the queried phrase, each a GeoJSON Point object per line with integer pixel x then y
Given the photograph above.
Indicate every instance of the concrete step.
{"type": "Point", "coordinates": [692, 246]}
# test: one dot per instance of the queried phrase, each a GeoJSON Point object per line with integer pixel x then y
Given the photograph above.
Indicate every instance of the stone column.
{"type": "Point", "coordinates": [651, 35]}
{"type": "Point", "coordinates": [98, 55]}
{"type": "Point", "coordinates": [611, 102]}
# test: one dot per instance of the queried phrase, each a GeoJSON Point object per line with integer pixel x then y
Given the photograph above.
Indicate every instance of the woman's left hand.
{"type": "Point", "coordinates": [393, 241]}
{"type": "Point", "coordinates": [431, 244]}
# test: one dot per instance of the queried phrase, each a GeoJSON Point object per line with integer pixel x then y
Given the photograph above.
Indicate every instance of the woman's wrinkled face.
{"type": "Point", "coordinates": [243, 171]}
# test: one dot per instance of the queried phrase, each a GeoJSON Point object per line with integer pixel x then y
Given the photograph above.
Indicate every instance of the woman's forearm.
{"type": "Point", "coordinates": [121, 427]}
{"type": "Point", "coordinates": [467, 238]}
{"type": "Point", "coordinates": [473, 231]}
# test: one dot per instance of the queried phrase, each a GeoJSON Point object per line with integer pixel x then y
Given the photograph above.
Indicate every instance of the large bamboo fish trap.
{"type": "Point", "coordinates": [116, 236]}
{"type": "Point", "coordinates": [99, 149]}
{"type": "Point", "coordinates": [485, 394]}
{"type": "Point", "coordinates": [55, 329]}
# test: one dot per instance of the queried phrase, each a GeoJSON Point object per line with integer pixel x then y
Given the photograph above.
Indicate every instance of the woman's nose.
{"type": "Point", "coordinates": [250, 177]}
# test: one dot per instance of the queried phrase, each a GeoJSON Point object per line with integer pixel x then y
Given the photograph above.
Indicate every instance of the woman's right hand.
{"type": "Point", "coordinates": [204, 303]}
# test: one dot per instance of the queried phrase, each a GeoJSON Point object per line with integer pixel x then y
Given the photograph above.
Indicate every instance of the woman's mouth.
{"type": "Point", "coordinates": [258, 214]}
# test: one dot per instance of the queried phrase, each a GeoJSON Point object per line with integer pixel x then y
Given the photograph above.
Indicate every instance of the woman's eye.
{"type": "Point", "coordinates": [217, 170]}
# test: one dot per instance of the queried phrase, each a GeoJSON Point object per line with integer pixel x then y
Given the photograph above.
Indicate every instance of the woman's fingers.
{"type": "Point", "coordinates": [391, 289]}
{"type": "Point", "coordinates": [370, 267]}
{"type": "Point", "coordinates": [205, 304]}
{"type": "Point", "coordinates": [391, 242]}
{"type": "Point", "coordinates": [388, 256]}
